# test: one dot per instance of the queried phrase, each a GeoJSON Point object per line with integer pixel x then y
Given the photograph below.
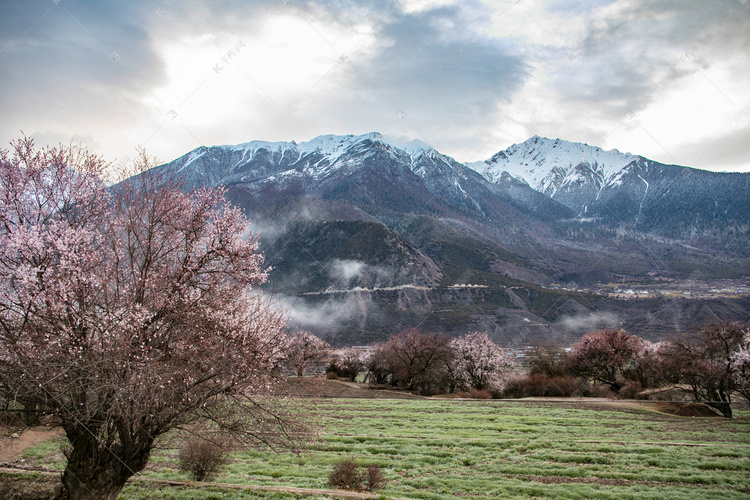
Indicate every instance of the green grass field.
{"type": "Point", "coordinates": [450, 449]}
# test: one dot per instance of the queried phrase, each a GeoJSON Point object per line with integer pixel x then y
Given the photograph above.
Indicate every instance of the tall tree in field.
{"type": "Point", "coordinates": [304, 350]}
{"type": "Point", "coordinates": [548, 359]}
{"type": "Point", "coordinates": [349, 363]}
{"type": "Point", "coordinates": [129, 312]}
{"type": "Point", "coordinates": [418, 361]}
{"type": "Point", "coordinates": [647, 363]}
{"type": "Point", "coordinates": [707, 364]}
{"type": "Point", "coordinates": [378, 365]}
{"type": "Point", "coordinates": [741, 366]}
{"type": "Point", "coordinates": [478, 362]}
{"type": "Point", "coordinates": [604, 356]}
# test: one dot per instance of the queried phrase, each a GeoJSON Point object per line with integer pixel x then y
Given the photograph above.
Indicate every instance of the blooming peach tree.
{"type": "Point", "coordinates": [709, 365]}
{"type": "Point", "coordinates": [741, 366]}
{"type": "Point", "coordinates": [605, 356]}
{"type": "Point", "coordinates": [477, 362]}
{"type": "Point", "coordinates": [128, 312]}
{"type": "Point", "coordinates": [304, 350]}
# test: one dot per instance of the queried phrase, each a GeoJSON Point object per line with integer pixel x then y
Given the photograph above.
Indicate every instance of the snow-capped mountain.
{"type": "Point", "coordinates": [538, 181]}
{"type": "Point", "coordinates": [622, 189]}
{"type": "Point", "coordinates": [315, 159]}
{"type": "Point", "coordinates": [572, 173]}
{"type": "Point", "coordinates": [550, 165]}
{"type": "Point", "coordinates": [398, 234]}
{"type": "Point", "coordinates": [368, 170]}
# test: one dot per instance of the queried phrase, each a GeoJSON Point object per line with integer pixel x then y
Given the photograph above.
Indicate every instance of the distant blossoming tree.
{"type": "Point", "coordinates": [305, 349]}
{"type": "Point", "coordinates": [741, 366]}
{"type": "Point", "coordinates": [710, 365]}
{"type": "Point", "coordinates": [605, 356]}
{"type": "Point", "coordinates": [128, 312]}
{"type": "Point", "coordinates": [414, 360]}
{"type": "Point", "coordinates": [349, 363]}
{"type": "Point", "coordinates": [478, 362]}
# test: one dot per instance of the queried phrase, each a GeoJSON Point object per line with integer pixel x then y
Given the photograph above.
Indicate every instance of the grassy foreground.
{"type": "Point", "coordinates": [443, 449]}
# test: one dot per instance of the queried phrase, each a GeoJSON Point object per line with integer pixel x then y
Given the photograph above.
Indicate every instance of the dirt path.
{"type": "Point", "coordinates": [12, 448]}
{"type": "Point", "coordinates": [194, 484]}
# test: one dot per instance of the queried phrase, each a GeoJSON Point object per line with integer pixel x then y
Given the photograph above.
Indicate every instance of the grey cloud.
{"type": "Point", "coordinates": [641, 51]}
{"type": "Point", "coordinates": [73, 61]}
{"type": "Point", "coordinates": [576, 7]}
{"type": "Point", "coordinates": [438, 60]}
{"type": "Point", "coordinates": [725, 151]}
{"type": "Point", "coordinates": [645, 46]}
{"type": "Point", "coordinates": [80, 44]}
{"type": "Point", "coordinates": [431, 74]}
{"type": "Point", "coordinates": [435, 64]}
{"type": "Point", "coordinates": [202, 17]}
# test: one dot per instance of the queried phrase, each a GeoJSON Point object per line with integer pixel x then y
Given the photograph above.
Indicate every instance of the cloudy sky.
{"type": "Point", "coordinates": [668, 79]}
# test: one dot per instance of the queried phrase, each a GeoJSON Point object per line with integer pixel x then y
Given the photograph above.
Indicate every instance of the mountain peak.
{"type": "Point", "coordinates": [330, 143]}
{"type": "Point", "coordinates": [548, 164]}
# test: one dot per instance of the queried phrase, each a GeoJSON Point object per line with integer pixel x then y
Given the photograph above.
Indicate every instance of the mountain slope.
{"type": "Point", "coordinates": [628, 191]}
{"type": "Point", "coordinates": [364, 170]}
{"type": "Point", "coordinates": [366, 236]}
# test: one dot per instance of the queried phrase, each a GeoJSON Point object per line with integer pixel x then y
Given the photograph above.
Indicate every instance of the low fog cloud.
{"type": "Point", "coordinates": [346, 270]}
{"type": "Point", "coordinates": [587, 322]}
{"type": "Point", "coordinates": [343, 271]}
{"type": "Point", "coordinates": [324, 315]}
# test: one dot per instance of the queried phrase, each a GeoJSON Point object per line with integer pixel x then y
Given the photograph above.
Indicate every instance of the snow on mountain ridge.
{"type": "Point", "coordinates": [327, 152]}
{"type": "Point", "coordinates": [550, 165]}
{"type": "Point", "coordinates": [332, 144]}
{"type": "Point", "coordinates": [547, 165]}
{"type": "Point", "coordinates": [193, 155]}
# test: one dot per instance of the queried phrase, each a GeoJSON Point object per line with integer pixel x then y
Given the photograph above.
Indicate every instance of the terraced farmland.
{"type": "Point", "coordinates": [454, 449]}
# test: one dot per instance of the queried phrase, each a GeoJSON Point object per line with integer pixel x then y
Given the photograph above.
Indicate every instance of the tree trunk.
{"type": "Point", "coordinates": [104, 485]}
{"type": "Point", "coordinates": [724, 407]}
{"type": "Point", "coordinates": [97, 474]}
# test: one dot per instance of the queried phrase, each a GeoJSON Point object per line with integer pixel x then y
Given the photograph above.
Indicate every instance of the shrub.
{"type": "Point", "coordinates": [514, 388]}
{"type": "Point", "coordinates": [348, 476]}
{"type": "Point", "coordinates": [535, 385]}
{"type": "Point", "coordinates": [602, 391]}
{"type": "Point", "coordinates": [345, 475]}
{"type": "Point", "coordinates": [201, 458]}
{"type": "Point", "coordinates": [478, 394]}
{"type": "Point", "coordinates": [374, 478]}
{"type": "Point", "coordinates": [630, 390]}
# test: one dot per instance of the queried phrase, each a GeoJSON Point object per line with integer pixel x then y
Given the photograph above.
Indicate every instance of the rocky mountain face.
{"type": "Point", "coordinates": [624, 190]}
{"type": "Point", "coordinates": [366, 236]}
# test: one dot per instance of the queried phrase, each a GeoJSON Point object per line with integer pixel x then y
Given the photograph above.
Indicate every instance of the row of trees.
{"type": "Point", "coordinates": [712, 365]}
{"type": "Point", "coordinates": [429, 363]}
